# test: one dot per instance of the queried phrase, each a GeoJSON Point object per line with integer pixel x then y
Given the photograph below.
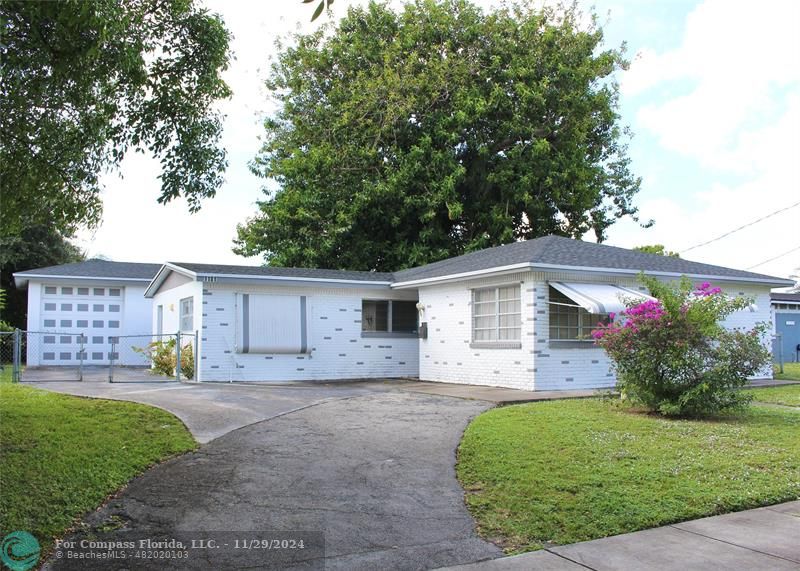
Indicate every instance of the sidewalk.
{"type": "Point", "coordinates": [753, 540]}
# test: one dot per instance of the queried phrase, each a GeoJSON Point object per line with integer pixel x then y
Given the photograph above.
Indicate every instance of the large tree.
{"type": "Point", "coordinates": [405, 138]}
{"type": "Point", "coordinates": [33, 247]}
{"type": "Point", "coordinates": [86, 81]}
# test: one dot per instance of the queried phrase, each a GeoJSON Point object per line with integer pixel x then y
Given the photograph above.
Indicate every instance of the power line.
{"type": "Point", "coordinates": [775, 258]}
{"type": "Point", "coordinates": [742, 227]}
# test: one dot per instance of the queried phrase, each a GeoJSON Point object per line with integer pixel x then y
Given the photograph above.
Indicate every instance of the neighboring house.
{"type": "Point", "coordinates": [98, 299]}
{"type": "Point", "coordinates": [514, 316]}
{"type": "Point", "coordinates": [786, 320]}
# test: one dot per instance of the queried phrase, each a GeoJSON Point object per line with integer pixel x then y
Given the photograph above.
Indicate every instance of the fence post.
{"type": "Point", "coordinates": [80, 353]}
{"type": "Point", "coordinates": [15, 357]}
{"type": "Point", "coordinates": [178, 357]}
{"type": "Point", "coordinates": [780, 351]}
{"type": "Point", "coordinates": [111, 362]}
{"type": "Point", "coordinates": [195, 353]}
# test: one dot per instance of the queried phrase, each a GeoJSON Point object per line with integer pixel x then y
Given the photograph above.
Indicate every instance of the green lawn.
{"type": "Point", "coordinates": [558, 472]}
{"type": "Point", "coordinates": [61, 456]}
{"type": "Point", "coordinates": [791, 372]}
{"type": "Point", "coordinates": [788, 395]}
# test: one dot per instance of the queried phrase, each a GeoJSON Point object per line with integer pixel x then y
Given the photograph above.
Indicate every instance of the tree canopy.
{"type": "Point", "coordinates": [405, 138]}
{"type": "Point", "coordinates": [657, 249]}
{"type": "Point", "coordinates": [84, 82]}
{"type": "Point", "coordinates": [34, 247]}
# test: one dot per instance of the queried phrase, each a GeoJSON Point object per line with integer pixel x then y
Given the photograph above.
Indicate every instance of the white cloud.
{"type": "Point", "coordinates": [739, 121]}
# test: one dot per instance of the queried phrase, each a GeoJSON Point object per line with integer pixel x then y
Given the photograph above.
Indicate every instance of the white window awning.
{"type": "Point", "coordinates": [599, 298]}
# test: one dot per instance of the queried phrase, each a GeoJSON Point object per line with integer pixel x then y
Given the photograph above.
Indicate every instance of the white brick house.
{"type": "Point", "coordinates": [513, 316]}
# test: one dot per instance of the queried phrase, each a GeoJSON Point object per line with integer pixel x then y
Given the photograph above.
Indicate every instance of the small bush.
{"type": "Point", "coordinates": [162, 358]}
{"type": "Point", "coordinates": [674, 356]}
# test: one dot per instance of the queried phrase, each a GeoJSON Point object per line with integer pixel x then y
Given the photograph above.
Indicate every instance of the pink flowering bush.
{"type": "Point", "coordinates": [672, 355]}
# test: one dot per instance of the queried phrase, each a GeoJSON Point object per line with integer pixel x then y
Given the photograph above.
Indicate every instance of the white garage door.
{"type": "Point", "coordinates": [70, 311]}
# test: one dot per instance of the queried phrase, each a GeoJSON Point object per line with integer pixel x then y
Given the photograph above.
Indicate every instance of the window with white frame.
{"type": "Point", "coordinates": [496, 314]}
{"type": "Point", "coordinates": [568, 321]}
{"type": "Point", "coordinates": [187, 314]}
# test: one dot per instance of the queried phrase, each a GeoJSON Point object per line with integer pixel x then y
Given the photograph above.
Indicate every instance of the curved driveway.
{"type": "Point", "coordinates": [369, 466]}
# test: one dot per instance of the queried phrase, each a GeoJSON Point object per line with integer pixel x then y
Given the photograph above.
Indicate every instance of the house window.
{"type": "Point", "coordinates": [83, 291]}
{"type": "Point", "coordinates": [187, 314]}
{"type": "Point", "coordinates": [388, 316]}
{"type": "Point", "coordinates": [66, 291]}
{"type": "Point", "coordinates": [50, 290]}
{"type": "Point", "coordinates": [568, 322]}
{"type": "Point", "coordinates": [496, 315]}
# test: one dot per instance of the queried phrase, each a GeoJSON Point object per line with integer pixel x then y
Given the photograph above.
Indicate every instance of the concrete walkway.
{"type": "Point", "coordinates": [760, 539]}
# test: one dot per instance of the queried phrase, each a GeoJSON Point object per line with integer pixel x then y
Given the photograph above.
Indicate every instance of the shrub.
{"type": "Point", "coordinates": [162, 358]}
{"type": "Point", "coordinates": [674, 355]}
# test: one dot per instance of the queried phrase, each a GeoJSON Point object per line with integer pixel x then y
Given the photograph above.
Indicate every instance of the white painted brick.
{"type": "Point", "coordinates": [338, 349]}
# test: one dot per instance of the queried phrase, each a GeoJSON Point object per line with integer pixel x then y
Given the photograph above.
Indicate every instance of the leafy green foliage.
{"type": "Point", "coordinates": [320, 7]}
{"type": "Point", "coordinates": [405, 138]}
{"type": "Point", "coordinates": [676, 357]}
{"type": "Point", "coordinates": [86, 82]}
{"type": "Point", "coordinates": [62, 456]}
{"type": "Point", "coordinates": [163, 358]}
{"type": "Point", "coordinates": [657, 249]}
{"type": "Point", "coordinates": [36, 246]}
{"type": "Point", "coordinates": [558, 472]}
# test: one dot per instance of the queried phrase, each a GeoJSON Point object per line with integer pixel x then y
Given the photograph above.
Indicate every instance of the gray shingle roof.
{"type": "Point", "coordinates": [785, 296]}
{"type": "Point", "coordinates": [97, 268]}
{"type": "Point", "coordinates": [301, 273]}
{"type": "Point", "coordinates": [556, 250]}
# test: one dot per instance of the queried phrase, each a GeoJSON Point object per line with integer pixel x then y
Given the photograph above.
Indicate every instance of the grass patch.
{"type": "Point", "coordinates": [558, 472]}
{"type": "Point", "coordinates": [61, 456]}
{"type": "Point", "coordinates": [788, 395]}
{"type": "Point", "coordinates": [791, 372]}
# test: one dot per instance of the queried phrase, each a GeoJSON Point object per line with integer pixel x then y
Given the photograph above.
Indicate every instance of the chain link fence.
{"type": "Point", "coordinates": [166, 358]}
{"type": "Point", "coordinates": [57, 356]}
{"type": "Point", "coordinates": [7, 356]}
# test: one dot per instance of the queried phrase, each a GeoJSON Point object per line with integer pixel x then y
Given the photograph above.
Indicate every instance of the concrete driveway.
{"type": "Point", "coordinates": [366, 464]}
{"type": "Point", "coordinates": [210, 410]}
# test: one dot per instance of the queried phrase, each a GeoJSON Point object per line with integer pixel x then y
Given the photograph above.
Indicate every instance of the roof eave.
{"type": "Point", "coordinates": [162, 274]}
{"type": "Point", "coordinates": [773, 282]}
{"type": "Point", "coordinates": [21, 279]}
{"type": "Point", "coordinates": [290, 280]}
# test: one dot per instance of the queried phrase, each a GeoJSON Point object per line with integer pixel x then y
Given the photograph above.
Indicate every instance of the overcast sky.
{"type": "Point", "coordinates": [712, 96]}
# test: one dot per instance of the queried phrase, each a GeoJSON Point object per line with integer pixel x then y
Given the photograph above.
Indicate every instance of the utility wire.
{"type": "Point", "coordinates": [742, 227]}
{"type": "Point", "coordinates": [775, 258]}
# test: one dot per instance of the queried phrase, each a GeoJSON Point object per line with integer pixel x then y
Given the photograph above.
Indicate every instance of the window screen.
{"type": "Point", "coordinates": [389, 315]}
{"type": "Point", "coordinates": [496, 314]}
{"type": "Point", "coordinates": [374, 315]}
{"type": "Point", "coordinates": [568, 322]}
{"type": "Point", "coordinates": [187, 314]}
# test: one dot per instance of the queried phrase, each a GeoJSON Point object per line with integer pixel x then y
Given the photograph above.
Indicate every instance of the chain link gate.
{"type": "Point", "coordinates": [167, 357]}
{"type": "Point", "coordinates": [49, 356]}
